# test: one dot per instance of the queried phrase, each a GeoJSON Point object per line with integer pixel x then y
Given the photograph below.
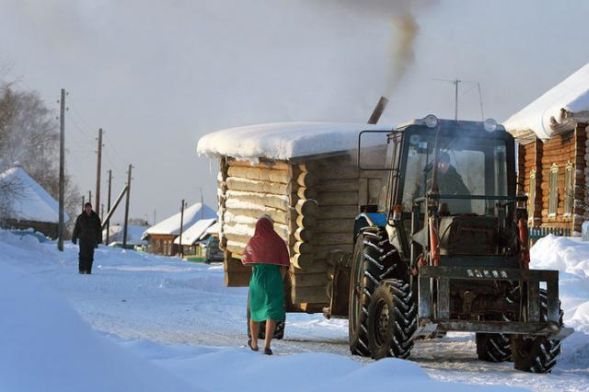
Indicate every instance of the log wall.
{"type": "Point", "coordinates": [313, 204]}
{"type": "Point", "coordinates": [568, 148]}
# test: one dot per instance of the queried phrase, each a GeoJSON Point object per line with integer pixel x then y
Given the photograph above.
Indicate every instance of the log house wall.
{"type": "Point", "coordinates": [568, 147]}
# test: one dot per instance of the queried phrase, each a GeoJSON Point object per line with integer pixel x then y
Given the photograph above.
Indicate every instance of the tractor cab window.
{"type": "Point", "coordinates": [465, 167]}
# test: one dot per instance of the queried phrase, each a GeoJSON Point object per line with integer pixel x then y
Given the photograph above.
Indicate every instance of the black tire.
{"type": "Point", "coordinates": [493, 347]}
{"type": "Point", "coordinates": [536, 354]}
{"type": "Point", "coordinates": [392, 320]}
{"type": "Point", "coordinates": [373, 260]}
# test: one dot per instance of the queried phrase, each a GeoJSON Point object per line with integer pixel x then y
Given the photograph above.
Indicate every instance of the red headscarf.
{"type": "Point", "coordinates": [266, 246]}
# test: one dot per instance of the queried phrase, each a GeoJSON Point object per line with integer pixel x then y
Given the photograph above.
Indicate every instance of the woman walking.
{"type": "Point", "coordinates": [267, 253]}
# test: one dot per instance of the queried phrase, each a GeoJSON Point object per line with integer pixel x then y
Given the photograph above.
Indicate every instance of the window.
{"type": "Point", "coordinates": [532, 194]}
{"type": "Point", "coordinates": [553, 189]}
{"type": "Point", "coordinates": [569, 189]}
{"type": "Point", "coordinates": [474, 167]}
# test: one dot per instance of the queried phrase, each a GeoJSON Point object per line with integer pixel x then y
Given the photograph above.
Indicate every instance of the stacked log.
{"type": "Point", "coordinates": [307, 278]}
{"type": "Point", "coordinates": [313, 205]}
{"type": "Point", "coordinates": [247, 190]}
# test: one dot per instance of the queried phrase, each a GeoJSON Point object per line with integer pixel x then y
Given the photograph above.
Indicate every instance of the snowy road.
{"type": "Point", "coordinates": [134, 297]}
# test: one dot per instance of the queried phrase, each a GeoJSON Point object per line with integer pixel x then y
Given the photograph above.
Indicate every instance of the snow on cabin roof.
{"type": "Point", "coordinates": [559, 109]}
{"type": "Point", "coordinates": [171, 225]}
{"type": "Point", "coordinates": [195, 232]}
{"type": "Point", "coordinates": [31, 201]}
{"type": "Point", "coordinates": [284, 140]}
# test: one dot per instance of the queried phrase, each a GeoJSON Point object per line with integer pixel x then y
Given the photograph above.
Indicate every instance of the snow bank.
{"type": "Point", "coordinates": [283, 140]}
{"type": "Point", "coordinates": [45, 346]}
{"type": "Point", "coordinates": [230, 369]}
{"type": "Point", "coordinates": [570, 256]}
{"type": "Point", "coordinates": [560, 107]}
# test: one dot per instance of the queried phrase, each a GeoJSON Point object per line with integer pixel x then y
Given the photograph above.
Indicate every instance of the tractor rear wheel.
{"type": "Point", "coordinates": [493, 347]}
{"type": "Point", "coordinates": [392, 320]}
{"type": "Point", "coordinates": [536, 354]}
{"type": "Point", "coordinates": [373, 260]}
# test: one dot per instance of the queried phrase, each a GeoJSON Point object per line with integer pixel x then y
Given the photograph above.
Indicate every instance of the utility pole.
{"type": "Point", "coordinates": [127, 206]}
{"type": "Point", "coordinates": [98, 170]}
{"type": "Point", "coordinates": [61, 170]}
{"type": "Point", "coordinates": [108, 205]}
{"type": "Point", "coordinates": [90, 197]}
{"type": "Point", "coordinates": [181, 227]}
{"type": "Point", "coordinates": [456, 82]}
{"type": "Point", "coordinates": [202, 205]}
{"type": "Point", "coordinates": [83, 202]}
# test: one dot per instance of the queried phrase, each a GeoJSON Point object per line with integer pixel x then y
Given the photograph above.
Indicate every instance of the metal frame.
{"type": "Point", "coordinates": [437, 280]}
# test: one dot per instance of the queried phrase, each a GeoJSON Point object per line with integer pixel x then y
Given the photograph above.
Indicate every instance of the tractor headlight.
{"type": "Point", "coordinates": [430, 121]}
{"type": "Point", "coordinates": [490, 125]}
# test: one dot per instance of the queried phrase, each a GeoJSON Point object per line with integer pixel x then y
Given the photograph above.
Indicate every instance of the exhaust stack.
{"type": "Point", "coordinates": [378, 110]}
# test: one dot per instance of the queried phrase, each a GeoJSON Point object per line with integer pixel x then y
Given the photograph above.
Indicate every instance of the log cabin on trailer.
{"type": "Point", "coordinates": [553, 153]}
{"type": "Point", "coordinates": [306, 177]}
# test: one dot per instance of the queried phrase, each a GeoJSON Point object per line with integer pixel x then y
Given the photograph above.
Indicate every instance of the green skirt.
{"type": "Point", "coordinates": [266, 294]}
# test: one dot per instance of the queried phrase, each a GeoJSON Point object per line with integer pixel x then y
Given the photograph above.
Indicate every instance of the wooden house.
{"type": "Point", "coordinates": [306, 177]}
{"type": "Point", "coordinates": [31, 206]}
{"type": "Point", "coordinates": [193, 237]}
{"type": "Point", "coordinates": [161, 236]}
{"type": "Point", "coordinates": [553, 153]}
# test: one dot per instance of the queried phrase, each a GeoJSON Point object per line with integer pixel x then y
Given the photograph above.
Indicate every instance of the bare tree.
{"type": "Point", "coordinates": [29, 135]}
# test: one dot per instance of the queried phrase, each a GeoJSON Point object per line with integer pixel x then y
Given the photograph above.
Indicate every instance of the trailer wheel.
{"type": "Point", "coordinates": [373, 260]}
{"type": "Point", "coordinates": [392, 319]}
{"type": "Point", "coordinates": [536, 354]}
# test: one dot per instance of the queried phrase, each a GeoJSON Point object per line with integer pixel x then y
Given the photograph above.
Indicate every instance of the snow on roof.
{"type": "Point", "coordinates": [213, 229]}
{"type": "Point", "coordinates": [134, 234]}
{"type": "Point", "coordinates": [32, 203]}
{"type": "Point", "coordinates": [192, 214]}
{"type": "Point", "coordinates": [559, 109]}
{"type": "Point", "coordinates": [195, 232]}
{"type": "Point", "coordinates": [283, 140]}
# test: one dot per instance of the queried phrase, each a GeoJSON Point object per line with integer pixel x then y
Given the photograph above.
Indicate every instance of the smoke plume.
{"type": "Point", "coordinates": [404, 31]}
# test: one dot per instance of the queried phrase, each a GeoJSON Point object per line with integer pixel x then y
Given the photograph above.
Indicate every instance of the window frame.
{"type": "Point", "coordinates": [532, 195]}
{"type": "Point", "coordinates": [553, 191]}
{"type": "Point", "coordinates": [569, 189]}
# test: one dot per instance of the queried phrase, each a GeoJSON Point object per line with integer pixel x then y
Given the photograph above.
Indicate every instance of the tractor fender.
{"type": "Point", "coordinates": [369, 219]}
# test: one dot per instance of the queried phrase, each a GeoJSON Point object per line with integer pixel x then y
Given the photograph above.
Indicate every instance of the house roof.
{"type": "Point", "coordinates": [32, 202]}
{"type": "Point", "coordinates": [284, 140]}
{"type": "Point", "coordinates": [557, 110]}
{"type": "Point", "coordinates": [134, 234]}
{"type": "Point", "coordinates": [171, 225]}
{"type": "Point", "coordinates": [195, 232]}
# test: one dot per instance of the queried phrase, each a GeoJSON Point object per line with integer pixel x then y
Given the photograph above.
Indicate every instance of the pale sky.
{"type": "Point", "coordinates": [158, 75]}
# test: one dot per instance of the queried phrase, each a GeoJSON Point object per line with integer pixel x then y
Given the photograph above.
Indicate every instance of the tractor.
{"type": "Point", "coordinates": [447, 249]}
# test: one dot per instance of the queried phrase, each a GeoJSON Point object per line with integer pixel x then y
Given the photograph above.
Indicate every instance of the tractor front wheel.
{"type": "Point", "coordinates": [392, 320]}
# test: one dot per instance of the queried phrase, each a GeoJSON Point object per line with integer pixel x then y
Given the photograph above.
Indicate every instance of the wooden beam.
{"type": "Point", "coordinates": [259, 174]}
{"type": "Point", "coordinates": [243, 184]}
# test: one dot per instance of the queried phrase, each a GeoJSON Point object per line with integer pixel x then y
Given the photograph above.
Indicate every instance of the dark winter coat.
{"type": "Point", "coordinates": [88, 229]}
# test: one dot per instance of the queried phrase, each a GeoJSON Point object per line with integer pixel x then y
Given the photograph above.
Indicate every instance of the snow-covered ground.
{"type": "Point", "coordinates": [143, 323]}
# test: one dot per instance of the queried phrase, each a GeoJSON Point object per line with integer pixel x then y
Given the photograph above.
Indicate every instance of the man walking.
{"type": "Point", "coordinates": [88, 230]}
